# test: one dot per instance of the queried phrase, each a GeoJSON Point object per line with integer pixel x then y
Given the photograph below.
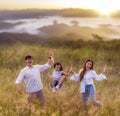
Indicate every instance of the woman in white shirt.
{"type": "Point", "coordinates": [86, 77]}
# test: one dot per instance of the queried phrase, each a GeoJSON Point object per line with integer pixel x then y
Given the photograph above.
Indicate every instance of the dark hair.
{"type": "Point", "coordinates": [58, 63]}
{"type": "Point", "coordinates": [28, 57]}
{"type": "Point", "coordinates": [84, 69]}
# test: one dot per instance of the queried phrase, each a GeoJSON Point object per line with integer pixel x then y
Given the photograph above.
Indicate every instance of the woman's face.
{"type": "Point", "coordinates": [57, 67]}
{"type": "Point", "coordinates": [88, 65]}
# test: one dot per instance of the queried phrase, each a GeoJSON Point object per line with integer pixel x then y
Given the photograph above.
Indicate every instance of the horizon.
{"type": "Point", "coordinates": [98, 12]}
{"type": "Point", "coordinates": [103, 7]}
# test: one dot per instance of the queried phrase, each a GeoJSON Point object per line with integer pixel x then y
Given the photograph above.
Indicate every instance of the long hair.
{"type": "Point", "coordinates": [84, 69]}
{"type": "Point", "coordinates": [58, 63]}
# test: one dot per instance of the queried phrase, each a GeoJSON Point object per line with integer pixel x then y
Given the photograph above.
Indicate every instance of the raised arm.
{"type": "Point", "coordinates": [50, 59]}
{"type": "Point", "coordinates": [101, 76]}
{"type": "Point", "coordinates": [49, 63]}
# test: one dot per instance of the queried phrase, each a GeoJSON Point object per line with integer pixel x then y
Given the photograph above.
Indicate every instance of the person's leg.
{"type": "Point", "coordinates": [52, 82]}
{"type": "Point", "coordinates": [41, 97]}
{"type": "Point", "coordinates": [31, 98]}
{"type": "Point", "coordinates": [84, 99]}
{"type": "Point", "coordinates": [62, 79]}
{"type": "Point", "coordinates": [92, 97]}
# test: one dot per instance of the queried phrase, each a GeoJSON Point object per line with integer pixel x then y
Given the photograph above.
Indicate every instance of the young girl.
{"type": "Point", "coordinates": [58, 76]}
{"type": "Point", "coordinates": [86, 77]}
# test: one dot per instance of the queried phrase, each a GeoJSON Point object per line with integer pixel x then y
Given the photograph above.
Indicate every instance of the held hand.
{"type": "Point", "coordinates": [51, 58]}
{"type": "Point", "coordinates": [50, 54]}
{"type": "Point", "coordinates": [71, 70]}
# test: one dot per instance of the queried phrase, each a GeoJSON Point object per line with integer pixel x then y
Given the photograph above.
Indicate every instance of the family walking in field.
{"type": "Point", "coordinates": [34, 87]}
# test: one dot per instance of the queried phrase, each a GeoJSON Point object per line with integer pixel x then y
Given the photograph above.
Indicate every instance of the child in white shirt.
{"type": "Point", "coordinates": [58, 76]}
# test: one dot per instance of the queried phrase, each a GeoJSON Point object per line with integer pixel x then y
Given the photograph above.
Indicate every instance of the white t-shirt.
{"type": "Point", "coordinates": [32, 78]}
{"type": "Point", "coordinates": [57, 75]}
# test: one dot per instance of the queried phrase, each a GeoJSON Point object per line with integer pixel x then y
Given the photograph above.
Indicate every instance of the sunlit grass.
{"type": "Point", "coordinates": [66, 102]}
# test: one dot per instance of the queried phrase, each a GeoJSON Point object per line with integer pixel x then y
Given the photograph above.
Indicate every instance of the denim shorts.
{"type": "Point", "coordinates": [56, 83]}
{"type": "Point", "coordinates": [89, 89]}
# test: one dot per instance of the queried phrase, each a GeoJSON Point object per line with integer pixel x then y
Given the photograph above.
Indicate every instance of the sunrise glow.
{"type": "Point", "coordinates": [105, 7]}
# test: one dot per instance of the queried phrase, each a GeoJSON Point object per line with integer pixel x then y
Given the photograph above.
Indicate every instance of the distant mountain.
{"type": "Point", "coordinates": [10, 38]}
{"type": "Point", "coordinates": [36, 13]}
{"type": "Point", "coordinates": [62, 32]}
{"type": "Point", "coordinates": [7, 25]}
{"type": "Point", "coordinates": [76, 32]}
{"type": "Point", "coordinates": [79, 13]}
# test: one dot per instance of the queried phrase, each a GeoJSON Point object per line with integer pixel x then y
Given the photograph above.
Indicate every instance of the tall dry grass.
{"type": "Point", "coordinates": [67, 101]}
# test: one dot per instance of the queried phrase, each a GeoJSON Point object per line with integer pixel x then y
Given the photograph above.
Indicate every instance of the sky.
{"type": "Point", "coordinates": [103, 6]}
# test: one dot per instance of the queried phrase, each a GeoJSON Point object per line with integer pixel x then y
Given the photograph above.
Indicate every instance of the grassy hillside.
{"type": "Point", "coordinates": [66, 102]}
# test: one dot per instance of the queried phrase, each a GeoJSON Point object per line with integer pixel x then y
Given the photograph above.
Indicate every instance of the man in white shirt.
{"type": "Point", "coordinates": [31, 76]}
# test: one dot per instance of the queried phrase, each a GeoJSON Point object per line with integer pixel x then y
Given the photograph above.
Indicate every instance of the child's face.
{"type": "Point", "coordinates": [57, 67]}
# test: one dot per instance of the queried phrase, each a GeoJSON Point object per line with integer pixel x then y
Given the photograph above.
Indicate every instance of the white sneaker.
{"type": "Point", "coordinates": [57, 87]}
{"type": "Point", "coordinates": [53, 90]}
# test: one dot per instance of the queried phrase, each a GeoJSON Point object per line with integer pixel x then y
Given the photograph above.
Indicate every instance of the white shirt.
{"type": "Point", "coordinates": [31, 77]}
{"type": "Point", "coordinates": [89, 76]}
{"type": "Point", "coordinates": [57, 75]}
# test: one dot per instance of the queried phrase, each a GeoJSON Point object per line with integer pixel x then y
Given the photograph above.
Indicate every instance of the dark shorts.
{"type": "Point", "coordinates": [56, 83]}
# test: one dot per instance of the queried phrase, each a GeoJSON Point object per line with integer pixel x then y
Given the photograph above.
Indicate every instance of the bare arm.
{"type": "Point", "coordinates": [49, 63]}
{"type": "Point", "coordinates": [51, 59]}
{"type": "Point", "coordinates": [68, 73]}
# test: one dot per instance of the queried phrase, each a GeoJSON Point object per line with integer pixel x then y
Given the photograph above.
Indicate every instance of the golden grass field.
{"type": "Point", "coordinates": [67, 101]}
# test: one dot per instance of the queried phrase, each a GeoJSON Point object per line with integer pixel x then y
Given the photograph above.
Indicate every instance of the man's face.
{"type": "Point", "coordinates": [29, 62]}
